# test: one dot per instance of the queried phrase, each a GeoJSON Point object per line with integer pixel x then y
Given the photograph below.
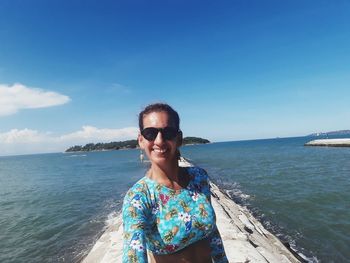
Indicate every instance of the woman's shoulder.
{"type": "Point", "coordinates": [138, 190]}
{"type": "Point", "coordinates": [199, 179]}
{"type": "Point", "coordinates": [197, 173]}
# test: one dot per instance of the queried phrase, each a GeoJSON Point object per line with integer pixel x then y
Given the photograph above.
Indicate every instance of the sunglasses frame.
{"type": "Point", "coordinates": [164, 131]}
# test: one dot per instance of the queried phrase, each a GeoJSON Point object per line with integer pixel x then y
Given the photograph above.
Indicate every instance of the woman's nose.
{"type": "Point", "coordinates": [159, 138]}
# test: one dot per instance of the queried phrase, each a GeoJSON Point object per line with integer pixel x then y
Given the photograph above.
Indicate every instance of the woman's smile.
{"type": "Point", "coordinates": [157, 150]}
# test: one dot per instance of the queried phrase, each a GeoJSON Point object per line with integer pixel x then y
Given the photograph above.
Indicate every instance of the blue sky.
{"type": "Point", "coordinates": [78, 71]}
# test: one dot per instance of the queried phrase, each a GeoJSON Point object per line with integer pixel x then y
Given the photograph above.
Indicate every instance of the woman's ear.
{"type": "Point", "coordinates": [179, 139]}
{"type": "Point", "coordinates": [140, 141]}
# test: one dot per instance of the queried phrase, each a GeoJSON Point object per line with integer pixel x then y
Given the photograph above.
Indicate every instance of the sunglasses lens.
{"type": "Point", "coordinates": [150, 134]}
{"type": "Point", "coordinates": [169, 133]}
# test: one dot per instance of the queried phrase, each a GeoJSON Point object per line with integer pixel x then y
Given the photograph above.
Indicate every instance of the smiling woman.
{"type": "Point", "coordinates": [167, 215]}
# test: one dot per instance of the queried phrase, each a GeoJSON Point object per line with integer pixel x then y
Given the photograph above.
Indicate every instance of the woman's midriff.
{"type": "Point", "coordinates": [199, 252]}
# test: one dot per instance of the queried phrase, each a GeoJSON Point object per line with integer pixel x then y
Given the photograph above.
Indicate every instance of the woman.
{"type": "Point", "coordinates": [168, 212]}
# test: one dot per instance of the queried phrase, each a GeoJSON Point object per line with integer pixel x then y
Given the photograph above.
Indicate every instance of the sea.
{"type": "Point", "coordinates": [53, 207]}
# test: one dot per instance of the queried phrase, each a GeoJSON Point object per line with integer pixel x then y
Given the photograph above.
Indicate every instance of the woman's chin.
{"type": "Point", "coordinates": [160, 158]}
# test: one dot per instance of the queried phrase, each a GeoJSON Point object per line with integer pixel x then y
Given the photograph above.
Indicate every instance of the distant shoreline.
{"type": "Point", "coordinates": [311, 136]}
{"type": "Point", "coordinates": [129, 144]}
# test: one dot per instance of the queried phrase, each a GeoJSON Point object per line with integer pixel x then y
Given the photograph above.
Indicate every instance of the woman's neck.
{"type": "Point", "coordinates": [168, 176]}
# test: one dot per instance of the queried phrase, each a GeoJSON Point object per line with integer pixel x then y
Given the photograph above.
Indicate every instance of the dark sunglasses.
{"type": "Point", "coordinates": [168, 133]}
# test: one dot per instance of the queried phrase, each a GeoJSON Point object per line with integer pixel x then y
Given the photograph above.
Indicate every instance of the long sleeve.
{"type": "Point", "coordinates": [217, 247]}
{"type": "Point", "coordinates": [134, 244]}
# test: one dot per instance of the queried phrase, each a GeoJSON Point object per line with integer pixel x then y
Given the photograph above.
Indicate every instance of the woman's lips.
{"type": "Point", "coordinates": [160, 150]}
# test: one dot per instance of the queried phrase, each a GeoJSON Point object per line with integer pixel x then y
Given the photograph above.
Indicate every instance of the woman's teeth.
{"type": "Point", "coordinates": [160, 150]}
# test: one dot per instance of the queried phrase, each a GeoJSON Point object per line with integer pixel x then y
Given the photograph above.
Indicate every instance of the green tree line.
{"type": "Point", "coordinates": [129, 144]}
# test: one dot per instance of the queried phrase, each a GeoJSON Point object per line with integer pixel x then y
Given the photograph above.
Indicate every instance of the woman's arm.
{"type": "Point", "coordinates": [217, 247]}
{"type": "Point", "coordinates": [134, 245]}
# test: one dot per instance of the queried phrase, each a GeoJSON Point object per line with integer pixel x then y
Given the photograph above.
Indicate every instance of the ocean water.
{"type": "Point", "coordinates": [53, 207]}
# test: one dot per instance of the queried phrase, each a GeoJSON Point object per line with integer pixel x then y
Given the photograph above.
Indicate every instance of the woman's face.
{"type": "Point", "coordinates": [159, 151]}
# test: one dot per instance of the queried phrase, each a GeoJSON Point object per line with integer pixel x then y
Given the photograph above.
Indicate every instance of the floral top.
{"type": "Point", "coordinates": [164, 220]}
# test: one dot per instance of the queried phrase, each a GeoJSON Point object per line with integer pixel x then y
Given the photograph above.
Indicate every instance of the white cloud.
{"type": "Point", "coordinates": [25, 136]}
{"type": "Point", "coordinates": [28, 141]}
{"type": "Point", "coordinates": [16, 97]}
{"type": "Point", "coordinates": [93, 133]}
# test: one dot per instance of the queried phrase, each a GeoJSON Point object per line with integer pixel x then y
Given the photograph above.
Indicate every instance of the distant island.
{"type": "Point", "coordinates": [331, 133]}
{"type": "Point", "coordinates": [194, 140]}
{"type": "Point", "coordinates": [129, 144]}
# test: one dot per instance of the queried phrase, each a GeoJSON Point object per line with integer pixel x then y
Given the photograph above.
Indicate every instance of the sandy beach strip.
{"type": "Point", "coordinates": [245, 239]}
{"type": "Point", "coordinates": [345, 142]}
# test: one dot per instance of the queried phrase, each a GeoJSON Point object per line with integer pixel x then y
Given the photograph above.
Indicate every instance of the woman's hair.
{"type": "Point", "coordinates": [160, 107]}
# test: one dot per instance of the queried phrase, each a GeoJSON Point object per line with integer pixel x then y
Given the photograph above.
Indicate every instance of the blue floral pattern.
{"type": "Point", "coordinates": [164, 220]}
